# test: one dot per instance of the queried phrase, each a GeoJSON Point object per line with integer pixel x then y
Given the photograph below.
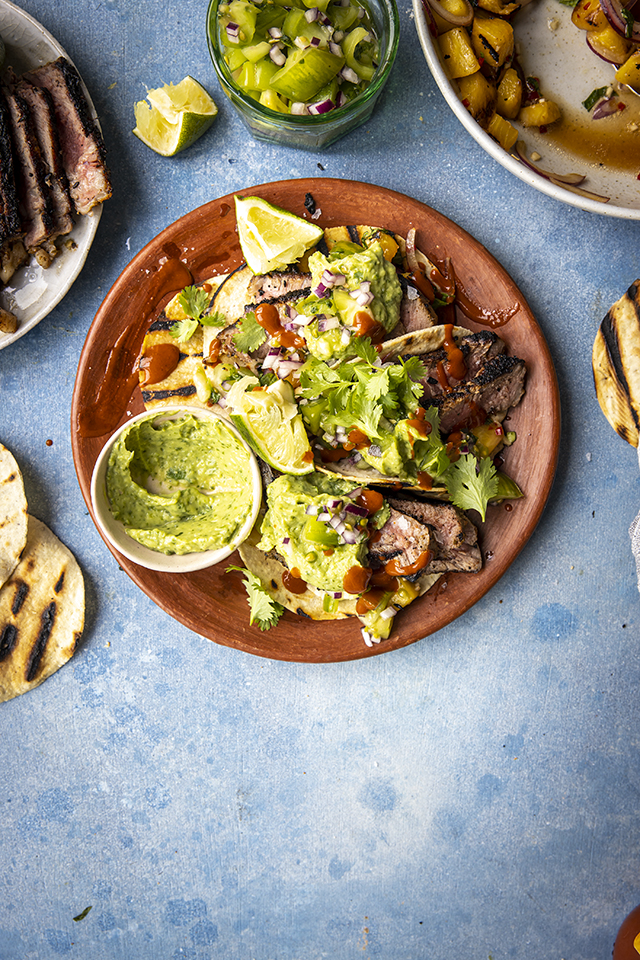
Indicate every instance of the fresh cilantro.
{"type": "Point", "coordinates": [214, 320]}
{"type": "Point", "coordinates": [183, 330]}
{"type": "Point", "coordinates": [194, 301]}
{"type": "Point", "coordinates": [629, 20]}
{"type": "Point", "coordinates": [472, 483]}
{"type": "Point", "coordinates": [249, 334]}
{"type": "Point", "coordinates": [265, 611]}
{"type": "Point", "coordinates": [266, 378]}
{"type": "Point", "coordinates": [593, 98]}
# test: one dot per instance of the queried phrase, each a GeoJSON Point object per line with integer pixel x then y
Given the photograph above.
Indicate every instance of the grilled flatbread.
{"type": "Point", "coordinates": [616, 365]}
{"type": "Point", "coordinates": [41, 612]}
{"type": "Point", "coordinates": [13, 514]}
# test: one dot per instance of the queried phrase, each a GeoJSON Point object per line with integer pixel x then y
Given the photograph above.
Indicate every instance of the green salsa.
{"type": "Point", "coordinates": [180, 485]}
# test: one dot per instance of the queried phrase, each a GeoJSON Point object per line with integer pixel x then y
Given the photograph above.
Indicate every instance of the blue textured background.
{"type": "Point", "coordinates": [474, 795]}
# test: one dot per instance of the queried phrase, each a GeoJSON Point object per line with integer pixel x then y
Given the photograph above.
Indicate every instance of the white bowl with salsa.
{"type": "Point", "coordinates": [176, 490]}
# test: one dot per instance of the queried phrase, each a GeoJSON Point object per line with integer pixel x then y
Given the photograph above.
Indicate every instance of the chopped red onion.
{"type": "Point", "coordinates": [338, 35]}
{"type": "Point", "coordinates": [335, 49]}
{"type": "Point", "coordinates": [301, 42]}
{"type": "Point", "coordinates": [311, 15]}
{"type": "Point", "coordinates": [605, 108]}
{"type": "Point", "coordinates": [375, 450]}
{"type": "Point", "coordinates": [222, 402]}
{"type": "Point", "coordinates": [299, 109]}
{"type": "Point", "coordinates": [345, 336]}
{"type": "Point", "coordinates": [334, 504]}
{"type": "Point", "coordinates": [352, 536]}
{"type": "Point", "coordinates": [349, 75]}
{"type": "Point", "coordinates": [337, 595]}
{"type": "Point", "coordinates": [315, 41]}
{"type": "Point", "coordinates": [323, 106]}
{"type": "Point", "coordinates": [285, 541]}
{"type": "Point", "coordinates": [355, 493]}
{"type": "Point", "coordinates": [312, 510]}
{"type": "Point", "coordinates": [277, 55]}
{"type": "Point", "coordinates": [331, 279]}
{"type": "Point", "coordinates": [388, 613]}
{"type": "Point", "coordinates": [324, 516]}
{"type": "Point", "coordinates": [275, 33]}
{"type": "Point", "coordinates": [233, 32]}
{"type": "Point", "coordinates": [285, 367]}
{"type": "Point", "coordinates": [327, 323]}
{"type": "Point", "coordinates": [356, 510]}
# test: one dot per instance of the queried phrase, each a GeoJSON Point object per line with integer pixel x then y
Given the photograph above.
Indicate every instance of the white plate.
{"type": "Point", "coordinates": [568, 72]}
{"type": "Point", "coordinates": [29, 45]}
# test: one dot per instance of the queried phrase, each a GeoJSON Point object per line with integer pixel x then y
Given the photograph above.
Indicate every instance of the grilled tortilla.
{"type": "Point", "coordinates": [616, 365]}
{"type": "Point", "coordinates": [41, 612]}
{"type": "Point", "coordinates": [13, 514]}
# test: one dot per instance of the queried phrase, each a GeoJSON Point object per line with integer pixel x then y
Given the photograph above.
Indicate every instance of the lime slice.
{"type": "Point", "coordinates": [178, 115]}
{"type": "Point", "coordinates": [270, 423]}
{"type": "Point", "coordinates": [272, 238]}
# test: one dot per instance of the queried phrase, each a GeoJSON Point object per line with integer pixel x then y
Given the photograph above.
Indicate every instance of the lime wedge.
{"type": "Point", "coordinates": [178, 115]}
{"type": "Point", "coordinates": [269, 421]}
{"type": "Point", "coordinates": [272, 238]}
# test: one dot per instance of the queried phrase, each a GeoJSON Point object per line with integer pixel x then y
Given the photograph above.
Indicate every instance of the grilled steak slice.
{"type": "Point", "coordinates": [455, 535]}
{"type": "Point", "coordinates": [44, 119]}
{"type": "Point", "coordinates": [281, 287]}
{"type": "Point", "coordinates": [403, 539]}
{"type": "Point", "coordinates": [477, 348]}
{"type": "Point", "coordinates": [10, 225]}
{"type": "Point", "coordinates": [35, 201]}
{"type": "Point", "coordinates": [83, 150]}
{"type": "Point", "coordinates": [498, 386]}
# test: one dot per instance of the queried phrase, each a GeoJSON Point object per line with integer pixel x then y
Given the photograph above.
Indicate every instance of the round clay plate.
{"type": "Point", "coordinates": [32, 292]}
{"type": "Point", "coordinates": [604, 151]}
{"type": "Point", "coordinates": [213, 603]}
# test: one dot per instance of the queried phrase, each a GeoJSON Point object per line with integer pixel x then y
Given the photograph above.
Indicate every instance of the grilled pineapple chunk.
{"type": "Point", "coordinates": [457, 52]}
{"type": "Point", "coordinates": [492, 40]}
{"type": "Point", "coordinates": [588, 15]}
{"type": "Point", "coordinates": [509, 95]}
{"type": "Point", "coordinates": [456, 7]}
{"type": "Point", "coordinates": [478, 95]}
{"type": "Point", "coordinates": [502, 131]}
{"type": "Point", "coordinates": [629, 72]}
{"type": "Point", "coordinates": [539, 114]}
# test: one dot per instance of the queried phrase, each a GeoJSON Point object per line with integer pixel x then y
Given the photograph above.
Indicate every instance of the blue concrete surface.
{"type": "Point", "coordinates": [473, 795]}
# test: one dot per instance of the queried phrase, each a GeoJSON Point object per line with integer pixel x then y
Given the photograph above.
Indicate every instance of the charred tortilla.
{"type": "Point", "coordinates": [616, 365]}
{"type": "Point", "coordinates": [13, 514]}
{"type": "Point", "coordinates": [41, 612]}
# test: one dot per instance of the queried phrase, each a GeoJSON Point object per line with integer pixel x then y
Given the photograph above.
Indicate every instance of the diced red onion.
{"type": "Point", "coordinates": [337, 595]}
{"type": "Point", "coordinates": [222, 402]}
{"type": "Point", "coordinates": [271, 358]}
{"type": "Point", "coordinates": [277, 55]}
{"type": "Point", "coordinates": [311, 14]}
{"type": "Point", "coordinates": [612, 10]}
{"type": "Point", "coordinates": [322, 106]}
{"type": "Point", "coordinates": [285, 367]}
{"type": "Point", "coordinates": [334, 504]}
{"type": "Point", "coordinates": [335, 49]}
{"type": "Point", "coordinates": [301, 42]}
{"type": "Point", "coordinates": [275, 33]}
{"type": "Point", "coordinates": [353, 536]}
{"type": "Point", "coordinates": [388, 613]}
{"type": "Point", "coordinates": [324, 516]}
{"type": "Point", "coordinates": [341, 100]}
{"type": "Point", "coordinates": [356, 510]}
{"type": "Point", "coordinates": [375, 450]}
{"type": "Point", "coordinates": [290, 311]}
{"type": "Point", "coordinates": [312, 510]}
{"type": "Point", "coordinates": [338, 35]}
{"type": "Point", "coordinates": [360, 13]}
{"type": "Point", "coordinates": [327, 323]}
{"type": "Point", "coordinates": [355, 493]}
{"type": "Point", "coordinates": [605, 108]}
{"type": "Point", "coordinates": [315, 41]}
{"type": "Point", "coordinates": [299, 109]}
{"type": "Point", "coordinates": [233, 32]}
{"type": "Point", "coordinates": [349, 75]}
{"type": "Point", "coordinates": [345, 336]}
{"type": "Point", "coordinates": [285, 541]}
{"type": "Point", "coordinates": [331, 279]}
{"type": "Point", "coordinates": [367, 637]}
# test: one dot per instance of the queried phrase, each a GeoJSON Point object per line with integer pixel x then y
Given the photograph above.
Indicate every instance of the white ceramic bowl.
{"type": "Point", "coordinates": [568, 72]}
{"type": "Point", "coordinates": [113, 530]}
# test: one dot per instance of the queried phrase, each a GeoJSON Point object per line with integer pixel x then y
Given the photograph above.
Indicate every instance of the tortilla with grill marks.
{"type": "Point", "coordinates": [13, 514]}
{"type": "Point", "coordinates": [41, 612]}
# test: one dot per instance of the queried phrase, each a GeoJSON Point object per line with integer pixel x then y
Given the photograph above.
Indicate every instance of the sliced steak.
{"type": "Point", "coordinates": [35, 201]}
{"type": "Point", "coordinates": [455, 535]}
{"type": "Point", "coordinates": [498, 386]}
{"type": "Point", "coordinates": [281, 287]}
{"type": "Point", "coordinates": [42, 111]}
{"type": "Point", "coordinates": [10, 223]}
{"type": "Point", "coordinates": [83, 150]}
{"type": "Point", "coordinates": [403, 539]}
{"type": "Point", "coordinates": [477, 348]}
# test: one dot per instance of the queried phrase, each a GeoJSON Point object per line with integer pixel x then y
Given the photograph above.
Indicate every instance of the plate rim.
{"type": "Point", "coordinates": [85, 449]}
{"type": "Point", "coordinates": [92, 219]}
{"type": "Point", "coordinates": [489, 145]}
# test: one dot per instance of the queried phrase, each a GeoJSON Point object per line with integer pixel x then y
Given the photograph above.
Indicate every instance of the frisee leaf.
{"type": "Point", "coordinates": [249, 335]}
{"type": "Point", "coordinates": [264, 610]}
{"type": "Point", "coordinates": [472, 483]}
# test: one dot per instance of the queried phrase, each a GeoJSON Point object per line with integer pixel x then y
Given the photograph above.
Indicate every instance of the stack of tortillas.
{"type": "Point", "coordinates": [616, 365]}
{"type": "Point", "coordinates": [41, 592]}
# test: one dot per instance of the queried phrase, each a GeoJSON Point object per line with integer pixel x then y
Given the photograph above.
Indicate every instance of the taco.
{"type": "Point", "coordinates": [327, 548]}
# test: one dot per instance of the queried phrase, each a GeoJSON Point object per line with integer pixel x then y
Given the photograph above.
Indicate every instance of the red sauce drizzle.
{"type": "Point", "coordinates": [486, 316]}
{"type": "Point", "coordinates": [356, 579]}
{"type": "Point", "coordinates": [365, 325]}
{"type": "Point", "coordinates": [456, 366]}
{"type": "Point", "coordinates": [397, 569]}
{"type": "Point", "coordinates": [293, 582]}
{"type": "Point", "coordinates": [269, 319]}
{"type": "Point", "coordinates": [158, 361]}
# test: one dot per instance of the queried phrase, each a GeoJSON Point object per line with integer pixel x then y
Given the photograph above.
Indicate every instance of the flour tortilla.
{"type": "Point", "coordinates": [13, 514]}
{"type": "Point", "coordinates": [41, 612]}
{"type": "Point", "coordinates": [616, 365]}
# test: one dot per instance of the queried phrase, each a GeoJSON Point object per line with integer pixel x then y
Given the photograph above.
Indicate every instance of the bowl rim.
{"type": "Point", "coordinates": [113, 532]}
{"type": "Point", "coordinates": [293, 121]}
{"type": "Point", "coordinates": [492, 147]}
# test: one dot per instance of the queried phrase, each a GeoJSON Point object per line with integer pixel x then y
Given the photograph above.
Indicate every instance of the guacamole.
{"type": "Point", "coordinates": [293, 503]}
{"type": "Point", "coordinates": [180, 485]}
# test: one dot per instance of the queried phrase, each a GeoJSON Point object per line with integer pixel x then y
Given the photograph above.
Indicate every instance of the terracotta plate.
{"type": "Point", "coordinates": [214, 604]}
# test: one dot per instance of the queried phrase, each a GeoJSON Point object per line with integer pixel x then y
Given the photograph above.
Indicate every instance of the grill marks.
{"type": "Point", "coordinates": [616, 365]}
{"type": "Point", "coordinates": [37, 651]}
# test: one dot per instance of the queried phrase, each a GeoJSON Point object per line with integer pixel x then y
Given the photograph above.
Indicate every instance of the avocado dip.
{"type": "Point", "coordinates": [180, 485]}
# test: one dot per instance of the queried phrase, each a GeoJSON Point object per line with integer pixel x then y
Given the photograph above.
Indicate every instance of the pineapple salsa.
{"type": "Point", "coordinates": [307, 58]}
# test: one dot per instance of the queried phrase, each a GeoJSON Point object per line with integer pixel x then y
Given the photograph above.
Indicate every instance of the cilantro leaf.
{"type": "Point", "coordinates": [249, 334]}
{"type": "Point", "coordinates": [264, 610]}
{"type": "Point", "coordinates": [214, 320]}
{"type": "Point", "coordinates": [593, 98]}
{"type": "Point", "coordinates": [472, 483]}
{"type": "Point", "coordinates": [194, 301]}
{"type": "Point", "coordinates": [183, 330]}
